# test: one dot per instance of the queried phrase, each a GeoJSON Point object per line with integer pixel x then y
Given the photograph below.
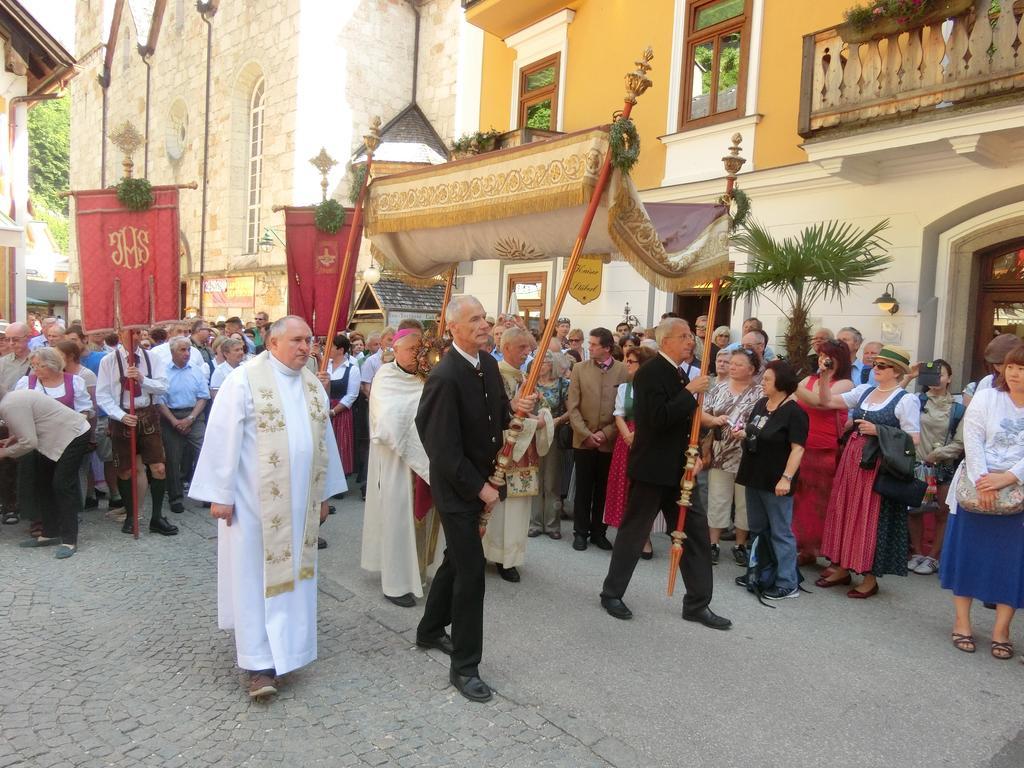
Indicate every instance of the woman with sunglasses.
{"type": "Point", "coordinates": [864, 532]}
{"type": "Point", "coordinates": [821, 454]}
{"type": "Point", "coordinates": [617, 490]}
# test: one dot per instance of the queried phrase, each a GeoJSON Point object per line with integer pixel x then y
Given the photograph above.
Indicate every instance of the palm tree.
{"type": "Point", "coordinates": [823, 263]}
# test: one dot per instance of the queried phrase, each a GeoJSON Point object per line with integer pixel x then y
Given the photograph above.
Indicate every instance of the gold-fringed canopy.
{"type": "Point", "coordinates": [526, 203]}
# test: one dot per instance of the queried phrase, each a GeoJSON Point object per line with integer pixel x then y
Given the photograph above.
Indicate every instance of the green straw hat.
{"type": "Point", "coordinates": [897, 357]}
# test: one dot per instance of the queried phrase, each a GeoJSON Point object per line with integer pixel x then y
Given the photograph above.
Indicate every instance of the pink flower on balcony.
{"type": "Point", "coordinates": [878, 11]}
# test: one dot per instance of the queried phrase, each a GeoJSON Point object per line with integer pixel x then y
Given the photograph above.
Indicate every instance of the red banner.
{"type": "Point", "coordinates": [314, 268]}
{"type": "Point", "coordinates": [128, 261]}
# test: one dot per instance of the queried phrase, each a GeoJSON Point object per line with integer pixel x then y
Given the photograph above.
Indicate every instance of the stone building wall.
{"type": "Point", "coordinates": [328, 68]}
{"type": "Point", "coordinates": [439, 63]}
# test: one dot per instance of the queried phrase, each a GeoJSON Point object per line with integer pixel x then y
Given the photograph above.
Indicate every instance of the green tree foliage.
{"type": "Point", "coordinates": [49, 163]}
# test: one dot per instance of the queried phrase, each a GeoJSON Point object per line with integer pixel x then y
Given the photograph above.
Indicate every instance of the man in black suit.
{"type": "Point", "coordinates": [461, 416]}
{"type": "Point", "coordinates": [664, 405]}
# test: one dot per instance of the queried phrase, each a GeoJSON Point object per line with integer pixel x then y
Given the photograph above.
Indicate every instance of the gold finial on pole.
{"type": "Point", "coordinates": [372, 139]}
{"type": "Point", "coordinates": [637, 81]}
{"type": "Point", "coordinates": [128, 140]}
{"type": "Point", "coordinates": [323, 163]}
{"type": "Point", "coordinates": [733, 163]}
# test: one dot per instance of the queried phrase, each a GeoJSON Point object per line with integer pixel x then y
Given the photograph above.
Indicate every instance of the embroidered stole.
{"type": "Point", "coordinates": [275, 489]}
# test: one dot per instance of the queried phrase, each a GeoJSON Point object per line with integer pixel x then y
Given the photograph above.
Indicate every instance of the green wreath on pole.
{"type": "Point", "coordinates": [135, 194]}
{"type": "Point", "coordinates": [625, 144]}
{"type": "Point", "coordinates": [330, 216]}
{"type": "Point", "coordinates": [358, 175]}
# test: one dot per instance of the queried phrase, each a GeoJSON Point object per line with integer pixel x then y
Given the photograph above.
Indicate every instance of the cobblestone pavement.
{"type": "Point", "coordinates": [113, 657]}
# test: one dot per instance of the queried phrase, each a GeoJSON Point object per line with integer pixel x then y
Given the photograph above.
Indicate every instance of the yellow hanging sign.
{"type": "Point", "coordinates": [585, 283]}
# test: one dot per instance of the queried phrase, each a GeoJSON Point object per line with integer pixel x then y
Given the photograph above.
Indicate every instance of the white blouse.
{"type": "Point", "coordinates": [83, 402]}
{"type": "Point", "coordinates": [908, 410]}
{"type": "Point", "coordinates": [994, 435]}
{"type": "Point", "coordinates": [336, 374]}
{"type": "Point", "coordinates": [620, 400]}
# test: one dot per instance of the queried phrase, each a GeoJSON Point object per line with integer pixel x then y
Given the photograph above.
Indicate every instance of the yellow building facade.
{"type": "Point", "coordinates": [923, 127]}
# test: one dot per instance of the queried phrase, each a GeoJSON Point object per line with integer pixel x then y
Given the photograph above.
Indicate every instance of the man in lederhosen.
{"type": "Point", "coordinates": [142, 377]}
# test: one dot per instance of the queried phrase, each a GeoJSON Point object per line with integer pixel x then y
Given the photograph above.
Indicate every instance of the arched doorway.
{"type": "Point", "coordinates": [1000, 297]}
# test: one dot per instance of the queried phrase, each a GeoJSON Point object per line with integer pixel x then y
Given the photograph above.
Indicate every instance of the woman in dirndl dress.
{"type": "Point", "coordinates": [983, 554]}
{"type": "Point", "coordinates": [617, 489]}
{"type": "Point", "coordinates": [864, 532]}
{"type": "Point", "coordinates": [821, 453]}
{"type": "Point", "coordinates": [343, 389]}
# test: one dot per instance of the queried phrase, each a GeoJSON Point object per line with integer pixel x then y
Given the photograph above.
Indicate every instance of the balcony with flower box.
{"type": "Point", "coordinates": [953, 84]}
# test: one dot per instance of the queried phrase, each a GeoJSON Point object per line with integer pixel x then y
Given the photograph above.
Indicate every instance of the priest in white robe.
{"type": "Point", "coordinates": [504, 542]}
{"type": "Point", "coordinates": [268, 465]}
{"type": "Point", "coordinates": [402, 535]}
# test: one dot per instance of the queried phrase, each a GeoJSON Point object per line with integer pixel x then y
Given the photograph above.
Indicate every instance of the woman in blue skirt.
{"type": "Point", "coordinates": [983, 554]}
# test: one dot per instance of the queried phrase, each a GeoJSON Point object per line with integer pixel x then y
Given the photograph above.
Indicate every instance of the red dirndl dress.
{"type": "Point", "coordinates": [617, 488]}
{"type": "Point", "coordinates": [342, 421]}
{"type": "Point", "coordinates": [817, 473]}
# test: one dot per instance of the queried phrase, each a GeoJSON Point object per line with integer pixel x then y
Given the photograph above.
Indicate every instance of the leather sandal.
{"type": "Point", "coordinates": [964, 643]}
{"type": "Point", "coordinates": [825, 583]}
{"type": "Point", "coordinates": [1002, 651]}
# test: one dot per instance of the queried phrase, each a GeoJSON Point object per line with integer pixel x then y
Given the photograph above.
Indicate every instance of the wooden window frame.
{"type": "Point", "coordinates": [530, 277]}
{"type": "Point", "coordinates": [989, 293]}
{"type": "Point", "coordinates": [528, 99]}
{"type": "Point", "coordinates": [254, 166]}
{"type": "Point", "coordinates": [742, 24]}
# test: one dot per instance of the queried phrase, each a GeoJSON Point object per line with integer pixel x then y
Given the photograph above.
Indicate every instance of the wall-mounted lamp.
{"type": "Point", "coordinates": [266, 243]}
{"type": "Point", "coordinates": [887, 301]}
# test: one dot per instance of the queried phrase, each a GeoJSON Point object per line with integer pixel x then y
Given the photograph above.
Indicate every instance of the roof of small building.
{"type": "Point", "coordinates": [394, 294]}
{"type": "Point", "coordinates": [407, 138]}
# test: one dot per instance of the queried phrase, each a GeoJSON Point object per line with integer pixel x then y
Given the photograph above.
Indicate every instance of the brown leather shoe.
{"type": "Point", "coordinates": [261, 684]}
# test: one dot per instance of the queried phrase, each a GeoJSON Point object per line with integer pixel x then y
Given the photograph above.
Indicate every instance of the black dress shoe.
{"type": "Point", "coordinates": [162, 526]}
{"type": "Point", "coordinates": [509, 574]}
{"type": "Point", "coordinates": [579, 542]}
{"type": "Point", "coordinates": [126, 526]}
{"type": "Point", "coordinates": [443, 643]}
{"type": "Point", "coordinates": [709, 619]}
{"type": "Point", "coordinates": [407, 600]}
{"type": "Point", "coordinates": [601, 542]}
{"type": "Point", "coordinates": [616, 608]}
{"type": "Point", "coordinates": [473, 688]}
{"type": "Point", "coordinates": [177, 507]}
{"type": "Point", "coordinates": [647, 555]}
{"type": "Point", "coordinates": [331, 509]}
{"type": "Point", "coordinates": [321, 542]}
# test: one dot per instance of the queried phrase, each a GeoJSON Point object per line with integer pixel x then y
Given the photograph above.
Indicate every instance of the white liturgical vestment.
{"type": "Point", "coordinates": [276, 632]}
{"type": "Point", "coordinates": [389, 527]}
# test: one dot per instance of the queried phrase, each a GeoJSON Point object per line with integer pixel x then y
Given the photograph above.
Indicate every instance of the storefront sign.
{"type": "Point", "coordinates": [223, 292]}
{"type": "Point", "coordinates": [585, 284]}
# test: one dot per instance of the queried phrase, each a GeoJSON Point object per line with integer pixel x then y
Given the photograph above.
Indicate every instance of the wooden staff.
{"type": "Point", "coordinates": [733, 162]}
{"type": "Point", "coordinates": [442, 323]}
{"type": "Point", "coordinates": [637, 83]}
{"type": "Point", "coordinates": [372, 141]}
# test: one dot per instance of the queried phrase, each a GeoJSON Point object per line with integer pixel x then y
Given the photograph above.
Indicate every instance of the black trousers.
{"type": "Point", "coordinates": [456, 595]}
{"type": "Point", "coordinates": [361, 437]}
{"type": "Point", "coordinates": [591, 483]}
{"type": "Point", "coordinates": [57, 489]}
{"type": "Point", "coordinates": [644, 503]}
{"type": "Point", "coordinates": [176, 445]}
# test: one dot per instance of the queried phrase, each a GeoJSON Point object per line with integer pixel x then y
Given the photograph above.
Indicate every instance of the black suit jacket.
{"type": "Point", "coordinates": [663, 409]}
{"type": "Point", "coordinates": [460, 419]}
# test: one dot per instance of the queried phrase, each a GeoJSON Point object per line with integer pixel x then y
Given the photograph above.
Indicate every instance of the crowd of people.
{"type": "Point", "coordinates": [840, 462]}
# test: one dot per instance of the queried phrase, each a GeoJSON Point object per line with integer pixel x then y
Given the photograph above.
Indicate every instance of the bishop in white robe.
{"type": "Point", "coordinates": [268, 465]}
{"type": "Point", "coordinates": [404, 550]}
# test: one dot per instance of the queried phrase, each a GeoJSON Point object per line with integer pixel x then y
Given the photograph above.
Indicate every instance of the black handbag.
{"type": "Point", "coordinates": [563, 432]}
{"type": "Point", "coordinates": [906, 493]}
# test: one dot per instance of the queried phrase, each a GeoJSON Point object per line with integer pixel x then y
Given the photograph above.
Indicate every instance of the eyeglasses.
{"type": "Point", "coordinates": [632, 361]}
{"type": "Point", "coordinates": [564, 321]}
{"type": "Point", "coordinates": [882, 366]}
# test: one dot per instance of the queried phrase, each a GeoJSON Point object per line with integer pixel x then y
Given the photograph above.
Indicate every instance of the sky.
{"type": "Point", "coordinates": [58, 16]}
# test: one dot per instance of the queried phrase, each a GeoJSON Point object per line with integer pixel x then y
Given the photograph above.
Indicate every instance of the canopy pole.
{"type": "Point", "coordinates": [372, 141]}
{"type": "Point", "coordinates": [637, 83]}
{"type": "Point", "coordinates": [125, 336]}
{"type": "Point", "coordinates": [442, 324]}
{"type": "Point", "coordinates": [733, 162]}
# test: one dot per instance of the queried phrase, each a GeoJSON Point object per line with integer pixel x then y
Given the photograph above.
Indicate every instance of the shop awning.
{"type": "Point", "coordinates": [40, 293]}
{"type": "Point", "coordinates": [527, 203]}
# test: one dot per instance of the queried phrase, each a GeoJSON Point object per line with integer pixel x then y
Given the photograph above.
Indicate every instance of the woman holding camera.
{"type": "Point", "coordinates": [942, 446]}
{"type": "Point", "coordinates": [983, 554]}
{"type": "Point", "coordinates": [773, 446]}
{"type": "Point", "coordinates": [726, 409]}
{"type": "Point", "coordinates": [821, 454]}
{"type": "Point", "coordinates": [865, 532]}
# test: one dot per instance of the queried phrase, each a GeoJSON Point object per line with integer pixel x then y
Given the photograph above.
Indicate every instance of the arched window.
{"type": "Point", "coordinates": [257, 103]}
